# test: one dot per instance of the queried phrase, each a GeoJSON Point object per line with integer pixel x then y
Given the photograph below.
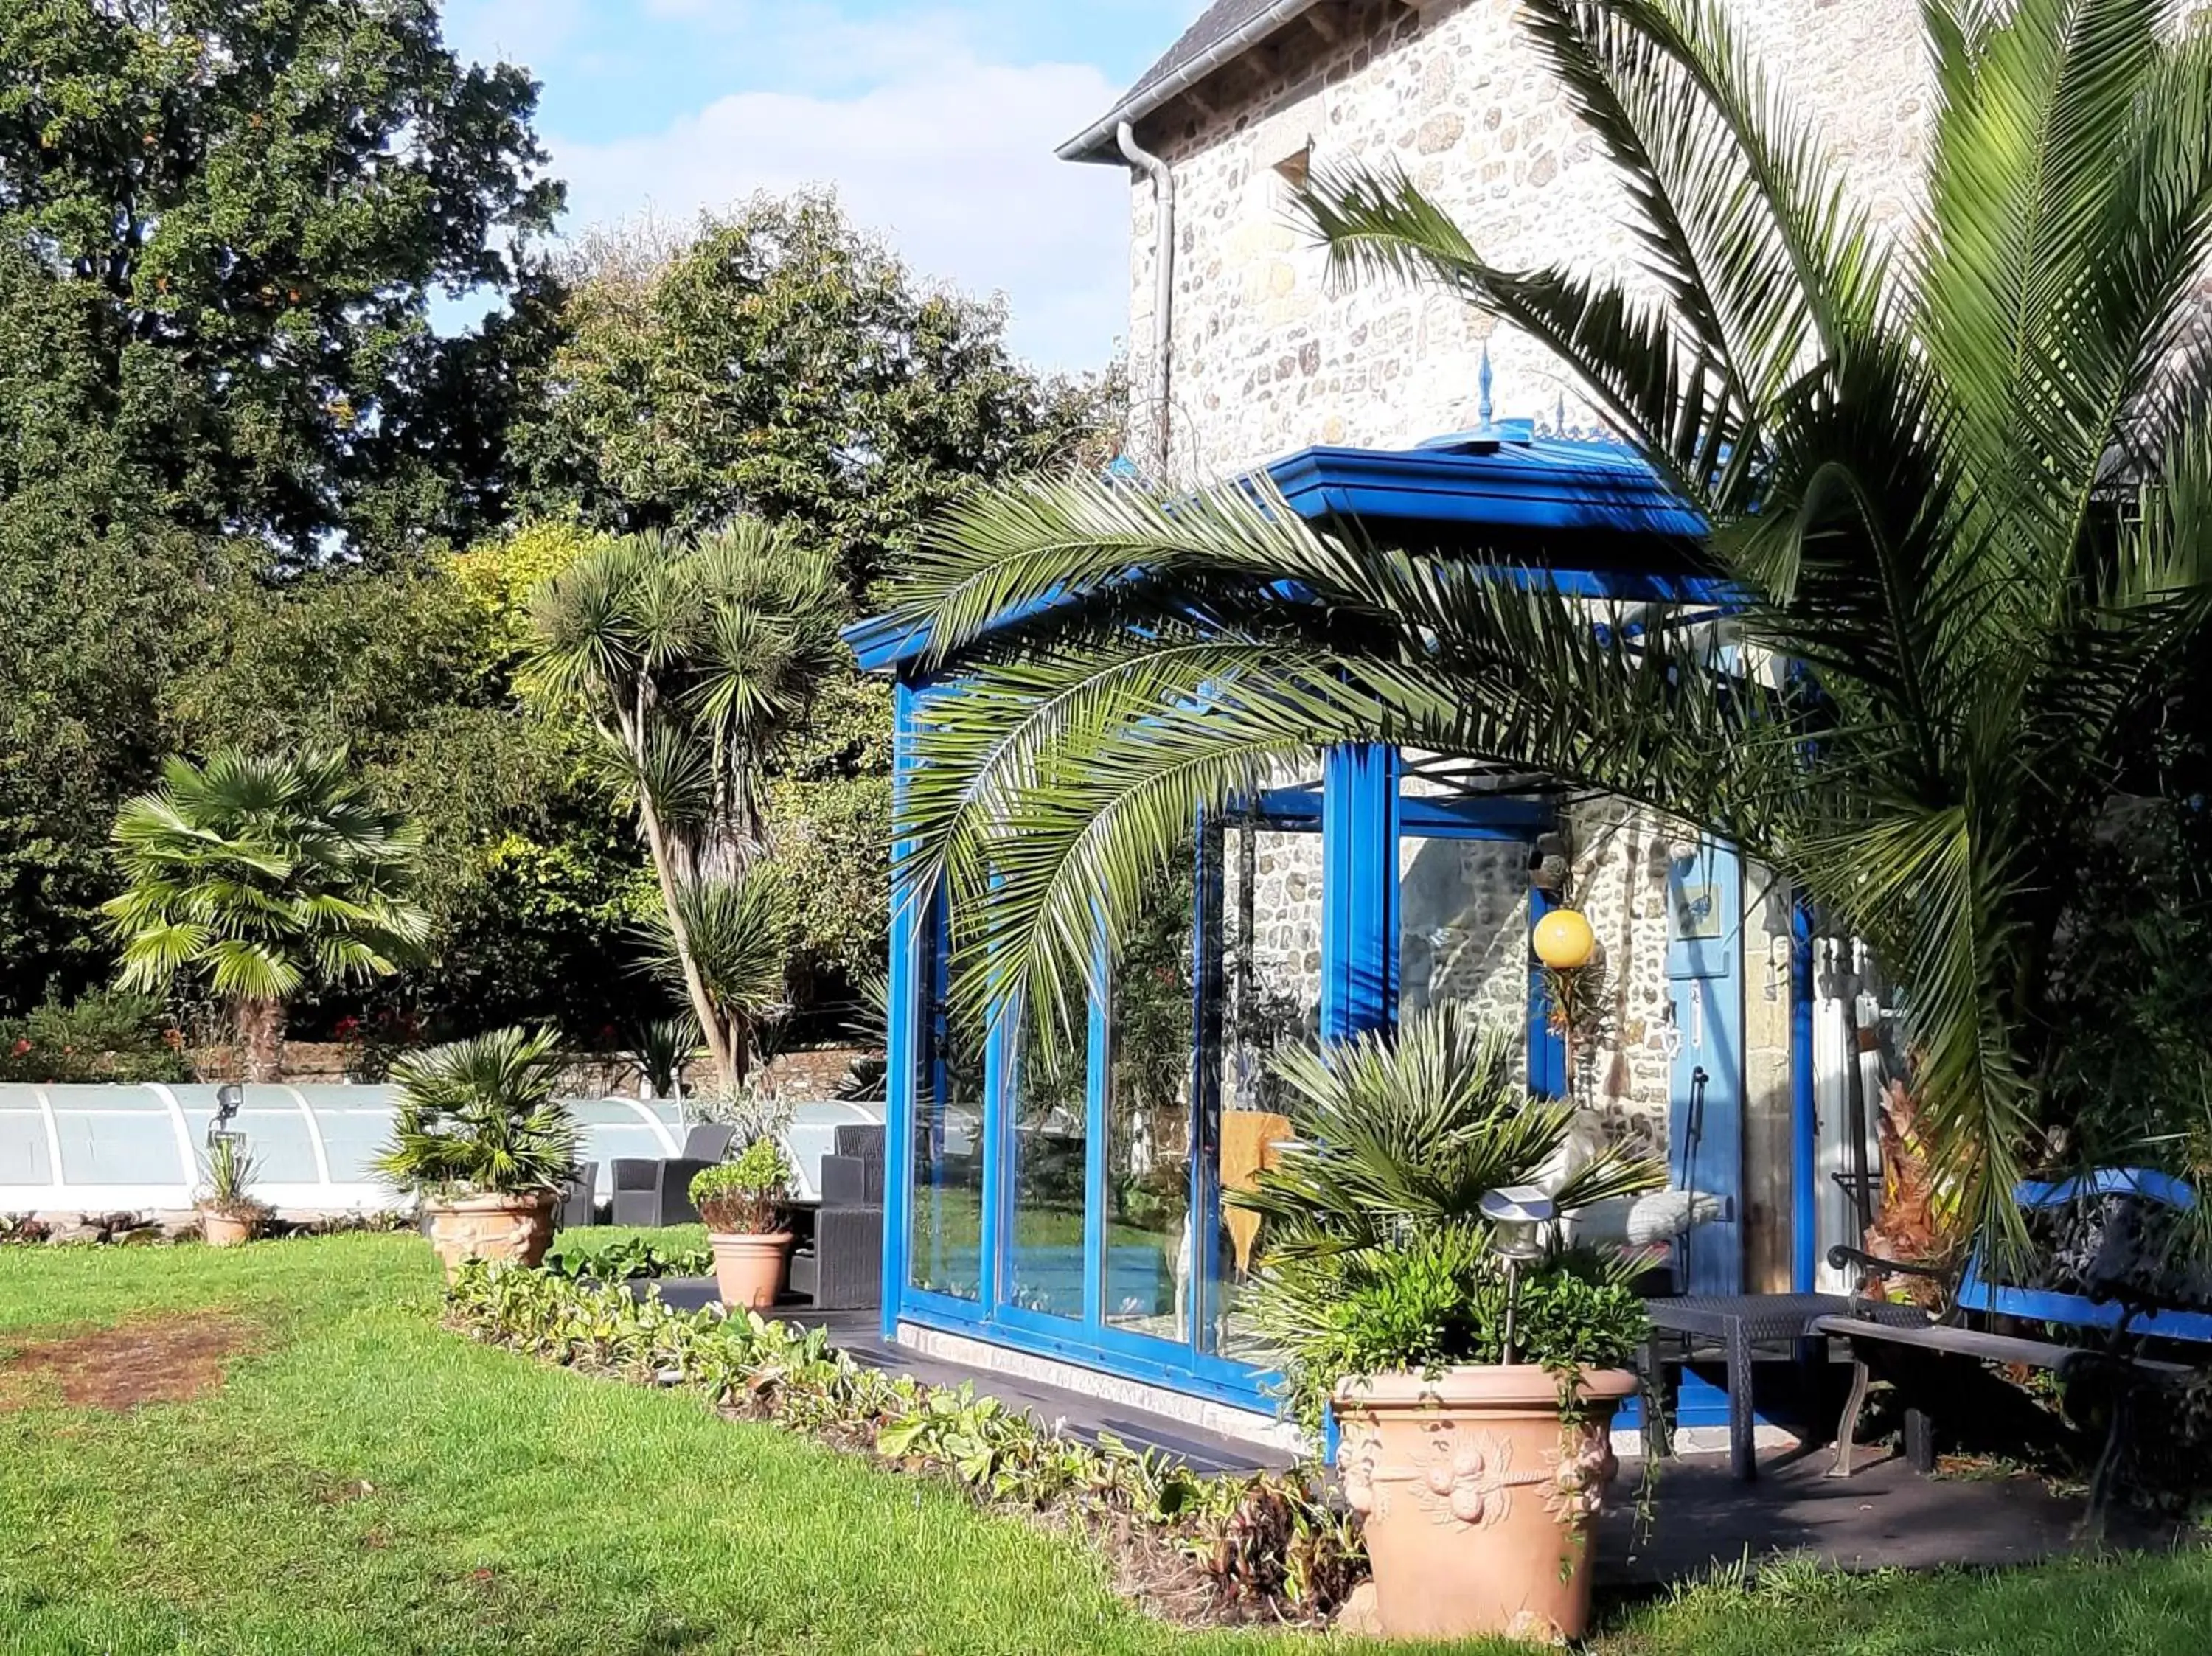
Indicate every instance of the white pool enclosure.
{"type": "Point", "coordinates": [142, 1148]}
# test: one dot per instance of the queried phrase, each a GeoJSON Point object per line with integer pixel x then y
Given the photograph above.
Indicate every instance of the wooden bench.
{"type": "Point", "coordinates": [1943, 1361]}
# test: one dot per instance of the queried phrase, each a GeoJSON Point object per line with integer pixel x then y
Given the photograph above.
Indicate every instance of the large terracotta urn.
{"type": "Point", "coordinates": [749, 1267]}
{"type": "Point", "coordinates": [492, 1228]}
{"type": "Point", "coordinates": [1477, 1499]}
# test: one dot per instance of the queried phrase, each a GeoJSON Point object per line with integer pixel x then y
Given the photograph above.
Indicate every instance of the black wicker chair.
{"type": "Point", "coordinates": [653, 1194]}
{"type": "Point", "coordinates": [579, 1204]}
{"type": "Point", "coordinates": [845, 1270]}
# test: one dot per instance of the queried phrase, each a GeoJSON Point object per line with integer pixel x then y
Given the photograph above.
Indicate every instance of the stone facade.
{"type": "Point", "coordinates": [1270, 356]}
{"type": "Point", "coordinates": [1463, 930]}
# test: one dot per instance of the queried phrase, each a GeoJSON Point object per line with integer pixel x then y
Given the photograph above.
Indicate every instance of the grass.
{"type": "Point", "coordinates": [364, 1482]}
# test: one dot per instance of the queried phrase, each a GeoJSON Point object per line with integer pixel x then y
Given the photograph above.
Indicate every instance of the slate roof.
{"type": "Point", "coordinates": [1219, 22]}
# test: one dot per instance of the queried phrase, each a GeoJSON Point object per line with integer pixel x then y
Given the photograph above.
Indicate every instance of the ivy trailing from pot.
{"type": "Point", "coordinates": [1473, 1394]}
{"type": "Point", "coordinates": [746, 1202]}
{"type": "Point", "coordinates": [481, 1141]}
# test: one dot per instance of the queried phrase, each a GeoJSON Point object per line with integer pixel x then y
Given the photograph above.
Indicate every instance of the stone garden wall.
{"type": "Point", "coordinates": [800, 1077]}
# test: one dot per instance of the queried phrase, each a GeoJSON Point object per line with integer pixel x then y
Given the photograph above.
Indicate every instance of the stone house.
{"type": "Point", "coordinates": [1242, 350]}
{"type": "Point", "coordinates": [1068, 1217]}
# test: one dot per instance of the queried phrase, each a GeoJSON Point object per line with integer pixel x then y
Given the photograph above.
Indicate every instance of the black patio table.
{"type": "Point", "coordinates": [1740, 1321]}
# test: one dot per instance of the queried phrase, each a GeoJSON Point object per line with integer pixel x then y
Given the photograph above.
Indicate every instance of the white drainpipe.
{"type": "Point", "coordinates": [1164, 255]}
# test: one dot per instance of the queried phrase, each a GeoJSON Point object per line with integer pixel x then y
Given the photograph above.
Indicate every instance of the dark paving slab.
{"type": "Point", "coordinates": [1887, 1516]}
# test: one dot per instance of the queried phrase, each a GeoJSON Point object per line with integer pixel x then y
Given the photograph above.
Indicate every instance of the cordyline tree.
{"type": "Point", "coordinates": [1961, 484]}
{"type": "Point", "coordinates": [694, 661]}
{"type": "Point", "coordinates": [262, 875]}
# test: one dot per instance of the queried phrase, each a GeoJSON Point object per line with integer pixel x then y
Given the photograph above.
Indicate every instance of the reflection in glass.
{"type": "Point", "coordinates": [1269, 923]}
{"type": "Point", "coordinates": [1047, 1127]}
{"type": "Point", "coordinates": [1463, 936]}
{"type": "Point", "coordinates": [1148, 1118]}
{"type": "Point", "coordinates": [946, 1238]}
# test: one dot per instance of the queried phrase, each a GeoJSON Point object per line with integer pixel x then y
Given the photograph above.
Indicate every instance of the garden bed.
{"type": "Point", "coordinates": [1197, 1549]}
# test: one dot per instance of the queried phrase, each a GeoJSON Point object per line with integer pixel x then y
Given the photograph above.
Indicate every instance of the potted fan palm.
{"type": "Point", "coordinates": [745, 1203]}
{"type": "Point", "coordinates": [228, 1213]}
{"type": "Point", "coordinates": [1473, 1359]}
{"type": "Point", "coordinates": [483, 1144]}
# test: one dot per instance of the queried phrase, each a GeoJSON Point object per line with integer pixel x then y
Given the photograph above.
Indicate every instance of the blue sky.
{"type": "Point", "coordinates": [936, 123]}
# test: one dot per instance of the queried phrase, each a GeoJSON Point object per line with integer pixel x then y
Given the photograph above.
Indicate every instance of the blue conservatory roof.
{"type": "Point", "coordinates": [1582, 516]}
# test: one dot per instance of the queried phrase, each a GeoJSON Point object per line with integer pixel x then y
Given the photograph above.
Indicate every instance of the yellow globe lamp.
{"type": "Point", "coordinates": [1564, 941]}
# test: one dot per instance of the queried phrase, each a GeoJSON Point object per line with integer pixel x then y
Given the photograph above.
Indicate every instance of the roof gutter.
{"type": "Point", "coordinates": [1096, 143]}
{"type": "Point", "coordinates": [1164, 258]}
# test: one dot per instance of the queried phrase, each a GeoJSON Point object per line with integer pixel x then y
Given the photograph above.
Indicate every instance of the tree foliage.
{"type": "Point", "coordinates": [259, 200]}
{"type": "Point", "coordinates": [693, 663]}
{"type": "Point", "coordinates": [1959, 487]}
{"type": "Point", "coordinates": [780, 364]}
{"type": "Point", "coordinates": [221, 231]}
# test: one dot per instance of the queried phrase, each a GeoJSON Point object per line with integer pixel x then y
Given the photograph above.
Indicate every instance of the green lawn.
{"type": "Point", "coordinates": [366, 1483]}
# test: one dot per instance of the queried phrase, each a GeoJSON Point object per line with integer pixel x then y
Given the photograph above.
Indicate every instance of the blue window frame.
{"type": "Point", "coordinates": [1078, 1309]}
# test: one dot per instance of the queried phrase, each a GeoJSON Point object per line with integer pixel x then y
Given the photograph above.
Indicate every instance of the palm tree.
{"type": "Point", "coordinates": [263, 874]}
{"type": "Point", "coordinates": [1960, 484]}
{"type": "Point", "coordinates": [693, 661]}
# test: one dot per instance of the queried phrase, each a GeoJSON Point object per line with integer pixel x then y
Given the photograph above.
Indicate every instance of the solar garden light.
{"type": "Point", "coordinates": [227, 1099]}
{"type": "Point", "coordinates": [1518, 1216]}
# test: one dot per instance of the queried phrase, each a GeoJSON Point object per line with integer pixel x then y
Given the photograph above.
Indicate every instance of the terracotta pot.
{"type": "Point", "coordinates": [749, 1270]}
{"type": "Point", "coordinates": [1477, 1500]}
{"type": "Point", "coordinates": [515, 1228]}
{"type": "Point", "coordinates": [225, 1229]}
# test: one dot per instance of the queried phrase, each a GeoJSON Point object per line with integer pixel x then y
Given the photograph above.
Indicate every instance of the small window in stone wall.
{"type": "Point", "coordinates": [1296, 166]}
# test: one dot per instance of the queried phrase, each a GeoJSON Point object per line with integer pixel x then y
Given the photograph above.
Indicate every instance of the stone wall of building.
{"type": "Point", "coordinates": [1463, 930]}
{"type": "Point", "coordinates": [1619, 879]}
{"type": "Point", "coordinates": [1270, 946]}
{"type": "Point", "coordinates": [1270, 356]}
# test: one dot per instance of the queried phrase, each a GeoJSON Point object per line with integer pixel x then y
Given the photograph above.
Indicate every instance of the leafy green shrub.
{"type": "Point", "coordinates": [479, 1115]}
{"type": "Point", "coordinates": [105, 1035]}
{"type": "Point", "coordinates": [619, 1259]}
{"type": "Point", "coordinates": [1265, 1546]}
{"type": "Point", "coordinates": [1439, 1300]}
{"type": "Point", "coordinates": [747, 1197]}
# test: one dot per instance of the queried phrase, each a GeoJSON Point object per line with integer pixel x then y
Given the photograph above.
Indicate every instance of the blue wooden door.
{"type": "Point", "coordinates": [1705, 971]}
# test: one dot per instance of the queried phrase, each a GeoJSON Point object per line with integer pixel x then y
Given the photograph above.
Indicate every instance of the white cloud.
{"type": "Point", "coordinates": [952, 160]}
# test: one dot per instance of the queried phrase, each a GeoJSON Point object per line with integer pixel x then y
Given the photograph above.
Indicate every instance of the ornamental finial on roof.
{"type": "Point", "coordinates": [1482, 408]}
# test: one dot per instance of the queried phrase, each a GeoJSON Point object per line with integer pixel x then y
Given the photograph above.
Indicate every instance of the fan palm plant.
{"type": "Point", "coordinates": [480, 1116]}
{"type": "Point", "coordinates": [693, 661]}
{"type": "Point", "coordinates": [1957, 481]}
{"type": "Point", "coordinates": [1410, 1133]}
{"type": "Point", "coordinates": [263, 875]}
